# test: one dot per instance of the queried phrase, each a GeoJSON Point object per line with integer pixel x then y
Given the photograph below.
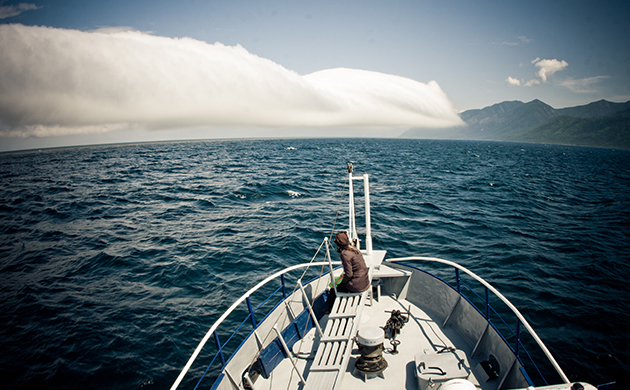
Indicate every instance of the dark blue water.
{"type": "Point", "coordinates": [115, 260]}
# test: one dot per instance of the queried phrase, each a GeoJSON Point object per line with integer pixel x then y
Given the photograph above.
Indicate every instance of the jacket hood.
{"type": "Point", "coordinates": [341, 239]}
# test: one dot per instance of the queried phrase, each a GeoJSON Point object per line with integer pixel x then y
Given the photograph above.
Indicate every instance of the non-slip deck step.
{"type": "Point", "coordinates": [333, 351]}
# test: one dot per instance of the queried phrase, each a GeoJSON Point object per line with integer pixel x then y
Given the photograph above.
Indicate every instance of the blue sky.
{"type": "Point", "coordinates": [478, 53]}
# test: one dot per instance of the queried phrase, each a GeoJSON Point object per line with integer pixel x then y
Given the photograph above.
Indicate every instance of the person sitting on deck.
{"type": "Point", "coordinates": [355, 272]}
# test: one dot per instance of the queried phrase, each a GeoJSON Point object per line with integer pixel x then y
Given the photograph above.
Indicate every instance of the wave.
{"type": "Point", "coordinates": [115, 267]}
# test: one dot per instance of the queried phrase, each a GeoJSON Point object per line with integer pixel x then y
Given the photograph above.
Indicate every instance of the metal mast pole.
{"type": "Point", "coordinates": [351, 223]}
{"type": "Point", "coordinates": [368, 223]}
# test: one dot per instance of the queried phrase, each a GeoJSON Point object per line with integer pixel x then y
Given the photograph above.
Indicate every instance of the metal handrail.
{"type": "Point", "coordinates": [501, 297]}
{"type": "Point", "coordinates": [515, 334]}
{"type": "Point", "coordinates": [280, 273]}
{"type": "Point", "coordinates": [245, 296]}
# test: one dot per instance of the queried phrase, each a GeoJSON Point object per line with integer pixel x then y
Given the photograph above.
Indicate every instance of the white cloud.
{"type": "Point", "coordinates": [7, 11]}
{"type": "Point", "coordinates": [512, 82]}
{"type": "Point", "coordinates": [546, 69]}
{"type": "Point", "coordinates": [582, 85]}
{"type": "Point", "coordinates": [57, 81]}
{"type": "Point", "coordinates": [522, 39]}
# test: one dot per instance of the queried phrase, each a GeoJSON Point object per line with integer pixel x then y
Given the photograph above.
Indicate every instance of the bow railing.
{"type": "Point", "coordinates": [487, 308]}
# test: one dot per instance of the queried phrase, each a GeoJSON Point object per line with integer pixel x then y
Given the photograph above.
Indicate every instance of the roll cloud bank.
{"type": "Point", "coordinates": [60, 82]}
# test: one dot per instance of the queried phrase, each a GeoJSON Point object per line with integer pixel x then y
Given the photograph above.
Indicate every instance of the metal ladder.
{"type": "Point", "coordinates": [335, 346]}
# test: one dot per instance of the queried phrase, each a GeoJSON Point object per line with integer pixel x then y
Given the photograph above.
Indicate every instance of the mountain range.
{"type": "Point", "coordinates": [601, 124]}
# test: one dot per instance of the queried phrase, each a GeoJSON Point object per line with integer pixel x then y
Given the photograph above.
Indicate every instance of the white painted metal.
{"type": "Point", "coordinates": [232, 308]}
{"type": "Point", "coordinates": [310, 308]}
{"type": "Point", "coordinates": [334, 349]}
{"type": "Point", "coordinates": [352, 225]}
{"type": "Point", "coordinates": [288, 351]}
{"type": "Point", "coordinates": [330, 264]}
{"type": "Point", "coordinates": [335, 345]}
{"type": "Point", "coordinates": [353, 233]}
{"type": "Point", "coordinates": [368, 220]}
{"type": "Point", "coordinates": [500, 296]}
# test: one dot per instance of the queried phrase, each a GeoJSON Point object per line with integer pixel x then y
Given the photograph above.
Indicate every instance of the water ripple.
{"type": "Point", "coordinates": [115, 260]}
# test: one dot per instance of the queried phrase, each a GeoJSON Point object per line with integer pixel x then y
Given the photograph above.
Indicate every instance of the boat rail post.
{"type": "Point", "coordinates": [368, 222]}
{"type": "Point", "coordinates": [352, 225]}
{"type": "Point", "coordinates": [284, 288]}
{"type": "Point", "coordinates": [459, 281]}
{"type": "Point", "coordinates": [332, 277]}
{"type": "Point", "coordinates": [219, 348]}
{"type": "Point", "coordinates": [310, 309]}
{"type": "Point", "coordinates": [487, 304]}
{"type": "Point", "coordinates": [251, 312]}
{"type": "Point", "coordinates": [288, 352]}
{"type": "Point", "coordinates": [518, 337]}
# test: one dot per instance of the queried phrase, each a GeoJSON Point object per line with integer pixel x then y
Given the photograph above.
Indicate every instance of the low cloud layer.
{"type": "Point", "coordinates": [546, 69]}
{"type": "Point", "coordinates": [59, 82]}
{"type": "Point", "coordinates": [585, 85]}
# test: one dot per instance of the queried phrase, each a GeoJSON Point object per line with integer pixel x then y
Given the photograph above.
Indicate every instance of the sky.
{"type": "Point", "coordinates": [77, 72]}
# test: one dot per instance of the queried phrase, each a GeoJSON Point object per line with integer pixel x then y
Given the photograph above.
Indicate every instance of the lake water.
{"type": "Point", "coordinates": [115, 260]}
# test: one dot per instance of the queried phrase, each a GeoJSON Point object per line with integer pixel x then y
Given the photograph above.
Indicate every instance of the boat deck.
{"type": "Point", "coordinates": [434, 345]}
{"type": "Point", "coordinates": [420, 334]}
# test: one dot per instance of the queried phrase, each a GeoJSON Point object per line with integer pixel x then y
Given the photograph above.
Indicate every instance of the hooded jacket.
{"type": "Point", "coordinates": [355, 272]}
